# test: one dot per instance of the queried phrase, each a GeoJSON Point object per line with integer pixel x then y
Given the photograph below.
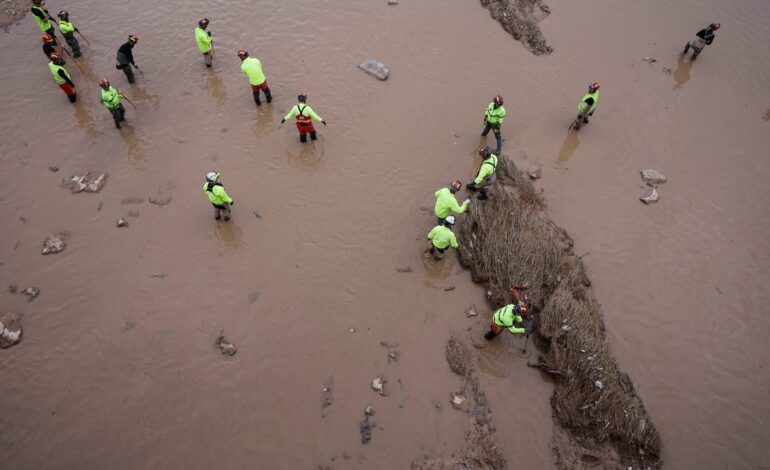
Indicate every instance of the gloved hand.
{"type": "Point", "coordinates": [209, 33]}
{"type": "Point", "coordinates": [135, 66]}
{"type": "Point", "coordinates": [471, 186]}
{"type": "Point", "coordinates": [528, 329]}
{"type": "Point", "coordinates": [466, 202]}
{"type": "Point", "coordinates": [323, 122]}
{"type": "Point", "coordinates": [232, 203]}
{"type": "Point", "coordinates": [282, 121]}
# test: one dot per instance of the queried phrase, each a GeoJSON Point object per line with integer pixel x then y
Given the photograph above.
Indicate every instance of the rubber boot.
{"type": "Point", "coordinates": [499, 140]}
{"type": "Point", "coordinates": [303, 137]}
{"type": "Point", "coordinates": [471, 186]}
{"type": "Point", "coordinates": [490, 335]}
{"type": "Point", "coordinates": [694, 55]}
{"type": "Point", "coordinates": [268, 95]}
{"type": "Point", "coordinates": [73, 98]}
{"type": "Point", "coordinates": [256, 97]}
{"type": "Point", "coordinates": [313, 136]}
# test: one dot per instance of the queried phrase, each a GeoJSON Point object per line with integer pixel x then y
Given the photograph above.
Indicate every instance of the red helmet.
{"type": "Point", "coordinates": [243, 54]}
{"type": "Point", "coordinates": [498, 100]}
{"type": "Point", "coordinates": [593, 86]}
{"type": "Point", "coordinates": [302, 97]}
{"type": "Point", "coordinates": [47, 38]}
{"type": "Point", "coordinates": [455, 185]}
{"type": "Point", "coordinates": [104, 83]}
{"type": "Point", "coordinates": [54, 57]}
{"type": "Point", "coordinates": [485, 151]}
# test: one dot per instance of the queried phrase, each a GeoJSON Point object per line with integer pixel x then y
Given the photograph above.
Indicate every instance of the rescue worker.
{"type": "Point", "coordinates": [442, 237]}
{"type": "Point", "coordinates": [702, 38]}
{"type": "Point", "coordinates": [43, 18]}
{"type": "Point", "coordinates": [125, 58]}
{"type": "Point", "coordinates": [252, 68]}
{"type": "Point", "coordinates": [492, 120]}
{"type": "Point", "coordinates": [507, 318]}
{"type": "Point", "coordinates": [62, 77]}
{"type": "Point", "coordinates": [49, 45]}
{"type": "Point", "coordinates": [446, 202]}
{"type": "Point", "coordinates": [217, 195]}
{"type": "Point", "coordinates": [203, 38]}
{"type": "Point", "coordinates": [68, 31]}
{"type": "Point", "coordinates": [303, 114]}
{"type": "Point", "coordinates": [486, 173]}
{"type": "Point", "coordinates": [111, 98]}
{"type": "Point", "coordinates": [589, 102]}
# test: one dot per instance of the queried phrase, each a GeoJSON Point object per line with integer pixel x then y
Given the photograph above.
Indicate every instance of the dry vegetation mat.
{"type": "Point", "coordinates": [599, 419]}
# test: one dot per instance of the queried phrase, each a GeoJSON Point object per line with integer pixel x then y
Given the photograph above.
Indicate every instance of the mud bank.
{"type": "Point", "coordinates": [12, 12]}
{"type": "Point", "coordinates": [520, 19]}
{"type": "Point", "coordinates": [508, 240]}
{"type": "Point", "coordinates": [480, 450]}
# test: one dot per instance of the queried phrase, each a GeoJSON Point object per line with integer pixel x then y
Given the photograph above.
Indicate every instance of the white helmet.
{"type": "Point", "coordinates": [450, 219]}
{"type": "Point", "coordinates": [212, 176]}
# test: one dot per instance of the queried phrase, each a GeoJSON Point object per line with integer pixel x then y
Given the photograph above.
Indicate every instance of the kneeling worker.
{"type": "Point", "coordinates": [217, 195]}
{"type": "Point", "coordinates": [442, 237]}
{"type": "Point", "coordinates": [506, 318]}
{"type": "Point", "coordinates": [446, 202]}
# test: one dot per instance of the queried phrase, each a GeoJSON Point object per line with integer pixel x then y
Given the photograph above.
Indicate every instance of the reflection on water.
{"type": "Point", "coordinates": [309, 158]}
{"type": "Point", "coordinates": [682, 72]}
{"type": "Point", "coordinates": [568, 147]}
{"type": "Point", "coordinates": [140, 95]}
{"type": "Point", "coordinates": [216, 88]}
{"type": "Point", "coordinates": [230, 234]}
{"type": "Point", "coordinates": [135, 145]}
{"type": "Point", "coordinates": [438, 269]}
{"type": "Point", "coordinates": [84, 119]}
{"type": "Point", "coordinates": [264, 124]}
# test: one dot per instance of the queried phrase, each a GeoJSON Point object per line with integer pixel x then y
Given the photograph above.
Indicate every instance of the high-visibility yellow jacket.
{"type": "Point", "coordinates": [216, 193]}
{"type": "Point", "coordinates": [252, 68]}
{"type": "Point", "coordinates": [488, 167]}
{"type": "Point", "coordinates": [584, 107]}
{"type": "Point", "coordinates": [111, 97]}
{"type": "Point", "coordinates": [495, 115]}
{"type": "Point", "coordinates": [442, 237]}
{"type": "Point", "coordinates": [446, 202]}
{"type": "Point", "coordinates": [506, 317]}
{"type": "Point", "coordinates": [55, 72]}
{"type": "Point", "coordinates": [204, 41]}
{"type": "Point", "coordinates": [302, 111]}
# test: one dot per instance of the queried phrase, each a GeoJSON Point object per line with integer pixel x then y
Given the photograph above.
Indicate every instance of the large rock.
{"type": "Point", "coordinates": [10, 329]}
{"type": "Point", "coordinates": [54, 243]}
{"type": "Point", "coordinates": [375, 67]}
{"type": "Point", "coordinates": [653, 177]}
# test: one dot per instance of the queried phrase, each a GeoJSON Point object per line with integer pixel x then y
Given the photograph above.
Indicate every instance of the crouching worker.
{"type": "Point", "coordinates": [442, 237]}
{"type": "Point", "coordinates": [486, 173]}
{"type": "Point", "coordinates": [507, 318]}
{"type": "Point", "coordinates": [217, 195]}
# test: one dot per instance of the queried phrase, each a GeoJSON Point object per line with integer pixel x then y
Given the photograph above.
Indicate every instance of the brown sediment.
{"type": "Point", "coordinates": [12, 11]}
{"type": "Point", "coordinates": [481, 451]}
{"type": "Point", "coordinates": [520, 19]}
{"type": "Point", "coordinates": [508, 240]}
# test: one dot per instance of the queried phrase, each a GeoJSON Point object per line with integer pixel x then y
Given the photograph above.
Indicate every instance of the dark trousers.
{"type": "Point", "coordinates": [118, 114]}
{"type": "Point", "coordinates": [52, 32]}
{"type": "Point", "coordinates": [495, 128]}
{"type": "Point", "coordinates": [126, 68]}
{"type": "Point", "coordinates": [255, 91]}
{"type": "Point", "coordinates": [72, 41]}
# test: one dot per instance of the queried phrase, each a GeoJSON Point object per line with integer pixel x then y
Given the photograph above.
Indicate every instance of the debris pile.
{"type": "Point", "coordinates": [508, 240]}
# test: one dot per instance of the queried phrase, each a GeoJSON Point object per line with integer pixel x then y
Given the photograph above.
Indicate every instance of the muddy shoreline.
{"type": "Point", "coordinates": [12, 12]}
{"type": "Point", "coordinates": [520, 19]}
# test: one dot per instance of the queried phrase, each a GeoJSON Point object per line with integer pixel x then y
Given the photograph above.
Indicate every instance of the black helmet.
{"type": "Point", "coordinates": [203, 23]}
{"type": "Point", "coordinates": [302, 97]}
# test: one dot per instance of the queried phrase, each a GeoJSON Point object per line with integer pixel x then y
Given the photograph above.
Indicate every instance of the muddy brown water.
{"type": "Point", "coordinates": [118, 369]}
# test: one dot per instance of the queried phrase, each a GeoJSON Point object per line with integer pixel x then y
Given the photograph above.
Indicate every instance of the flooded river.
{"type": "Point", "coordinates": [117, 368]}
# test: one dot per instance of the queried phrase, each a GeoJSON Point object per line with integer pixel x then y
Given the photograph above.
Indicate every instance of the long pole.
{"type": "Point", "coordinates": [75, 62]}
{"type": "Point", "coordinates": [84, 38]}
{"type": "Point", "coordinates": [127, 99]}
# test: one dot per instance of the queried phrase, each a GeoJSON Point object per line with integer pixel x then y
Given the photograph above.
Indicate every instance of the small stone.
{"type": "Point", "coordinates": [650, 60]}
{"type": "Point", "coordinates": [31, 292]}
{"type": "Point", "coordinates": [375, 68]}
{"type": "Point", "coordinates": [393, 355]}
{"type": "Point", "coordinates": [352, 330]}
{"type": "Point", "coordinates": [404, 269]}
{"type": "Point", "coordinates": [122, 222]}
{"type": "Point", "coordinates": [460, 402]}
{"type": "Point", "coordinates": [53, 168]}
{"type": "Point", "coordinates": [10, 329]}
{"type": "Point", "coordinates": [653, 177]}
{"type": "Point", "coordinates": [54, 243]}
{"type": "Point", "coordinates": [650, 197]}
{"type": "Point", "coordinates": [450, 288]}
{"type": "Point", "coordinates": [535, 172]}
{"type": "Point", "coordinates": [225, 346]}
{"type": "Point", "coordinates": [369, 410]}
{"type": "Point", "coordinates": [471, 311]}
{"type": "Point", "coordinates": [378, 384]}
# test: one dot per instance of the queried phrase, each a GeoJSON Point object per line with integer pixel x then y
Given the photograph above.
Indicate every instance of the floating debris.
{"type": "Point", "coordinates": [653, 177]}
{"type": "Point", "coordinates": [54, 243]}
{"type": "Point", "coordinates": [650, 197]}
{"type": "Point", "coordinates": [31, 292]}
{"type": "Point", "coordinates": [378, 384]}
{"type": "Point", "coordinates": [224, 345]}
{"type": "Point", "coordinates": [122, 222]}
{"type": "Point", "coordinates": [85, 183]}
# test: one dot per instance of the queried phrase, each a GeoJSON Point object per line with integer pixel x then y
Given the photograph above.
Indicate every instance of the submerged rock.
{"type": "Point", "coordinates": [650, 197]}
{"type": "Point", "coordinates": [54, 243]}
{"type": "Point", "coordinates": [535, 172]}
{"type": "Point", "coordinates": [31, 292]}
{"type": "Point", "coordinates": [375, 68]}
{"type": "Point", "coordinates": [652, 177]}
{"type": "Point", "coordinates": [404, 269]}
{"type": "Point", "coordinates": [471, 311]}
{"type": "Point", "coordinates": [378, 384]}
{"type": "Point", "coordinates": [225, 346]}
{"type": "Point", "coordinates": [10, 329]}
{"type": "Point", "coordinates": [122, 222]}
{"type": "Point", "coordinates": [162, 202]}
